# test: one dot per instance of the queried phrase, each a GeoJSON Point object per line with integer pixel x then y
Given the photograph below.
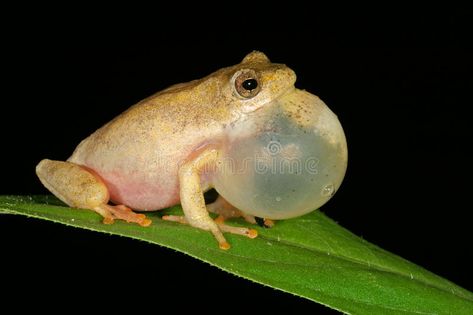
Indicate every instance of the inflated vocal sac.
{"type": "Point", "coordinates": [283, 160]}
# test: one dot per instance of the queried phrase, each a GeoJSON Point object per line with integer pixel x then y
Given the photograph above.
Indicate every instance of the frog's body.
{"type": "Point", "coordinates": [138, 158]}
{"type": "Point", "coordinates": [153, 155]}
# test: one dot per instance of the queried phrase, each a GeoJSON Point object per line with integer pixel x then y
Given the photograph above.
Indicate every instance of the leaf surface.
{"type": "Point", "coordinates": [310, 256]}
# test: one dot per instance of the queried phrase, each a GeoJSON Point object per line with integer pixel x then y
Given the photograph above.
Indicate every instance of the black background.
{"type": "Point", "coordinates": [399, 80]}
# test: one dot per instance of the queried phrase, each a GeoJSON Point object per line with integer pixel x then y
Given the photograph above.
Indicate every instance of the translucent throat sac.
{"type": "Point", "coordinates": [290, 159]}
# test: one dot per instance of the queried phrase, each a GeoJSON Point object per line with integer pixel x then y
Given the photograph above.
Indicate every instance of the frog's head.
{"type": "Point", "coordinates": [289, 155]}
{"type": "Point", "coordinates": [256, 81]}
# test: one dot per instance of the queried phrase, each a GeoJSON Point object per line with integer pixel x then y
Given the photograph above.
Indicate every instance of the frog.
{"type": "Point", "coordinates": [175, 145]}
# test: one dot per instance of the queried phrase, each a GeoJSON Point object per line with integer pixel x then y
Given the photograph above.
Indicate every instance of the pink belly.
{"type": "Point", "coordinates": [146, 194]}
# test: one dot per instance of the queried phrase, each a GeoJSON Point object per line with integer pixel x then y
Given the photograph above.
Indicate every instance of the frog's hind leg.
{"type": "Point", "coordinates": [226, 211]}
{"type": "Point", "coordinates": [80, 187]}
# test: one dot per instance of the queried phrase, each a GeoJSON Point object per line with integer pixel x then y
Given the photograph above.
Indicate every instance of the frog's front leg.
{"type": "Point", "coordinates": [80, 187]}
{"type": "Point", "coordinates": [193, 203]}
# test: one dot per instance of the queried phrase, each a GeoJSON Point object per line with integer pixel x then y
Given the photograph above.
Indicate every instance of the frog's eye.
{"type": "Point", "coordinates": [246, 83]}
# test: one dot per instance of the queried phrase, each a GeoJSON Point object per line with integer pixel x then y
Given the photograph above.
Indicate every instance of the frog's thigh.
{"type": "Point", "coordinates": [193, 203]}
{"type": "Point", "coordinates": [80, 188]}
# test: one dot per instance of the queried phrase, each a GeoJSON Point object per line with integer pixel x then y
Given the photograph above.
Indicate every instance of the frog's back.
{"type": "Point", "coordinates": [137, 154]}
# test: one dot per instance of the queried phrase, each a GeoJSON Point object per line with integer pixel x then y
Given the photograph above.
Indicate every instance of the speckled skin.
{"type": "Point", "coordinates": [138, 153]}
{"type": "Point", "coordinates": [167, 148]}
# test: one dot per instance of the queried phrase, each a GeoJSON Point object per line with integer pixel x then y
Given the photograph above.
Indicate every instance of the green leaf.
{"type": "Point", "coordinates": [310, 256]}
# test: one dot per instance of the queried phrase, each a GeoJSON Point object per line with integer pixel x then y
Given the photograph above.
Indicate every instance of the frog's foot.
{"type": "Point", "coordinates": [267, 223]}
{"type": "Point", "coordinates": [226, 211]}
{"type": "Point", "coordinates": [121, 212]}
{"type": "Point", "coordinates": [81, 187]}
{"type": "Point", "coordinates": [251, 233]}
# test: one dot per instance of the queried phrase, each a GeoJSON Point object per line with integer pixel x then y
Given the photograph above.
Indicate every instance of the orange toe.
{"type": "Point", "coordinates": [145, 222]}
{"type": "Point", "coordinates": [220, 219]}
{"type": "Point", "coordinates": [224, 246]}
{"type": "Point", "coordinates": [252, 233]}
{"type": "Point", "coordinates": [268, 223]}
{"type": "Point", "coordinates": [108, 220]}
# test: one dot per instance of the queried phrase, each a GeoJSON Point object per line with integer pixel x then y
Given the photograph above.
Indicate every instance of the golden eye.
{"type": "Point", "coordinates": [246, 83]}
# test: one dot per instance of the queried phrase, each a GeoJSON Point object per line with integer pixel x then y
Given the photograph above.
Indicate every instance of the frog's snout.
{"type": "Point", "coordinates": [280, 81]}
{"type": "Point", "coordinates": [289, 74]}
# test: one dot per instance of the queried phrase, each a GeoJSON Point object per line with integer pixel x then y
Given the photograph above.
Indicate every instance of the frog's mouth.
{"type": "Point", "coordinates": [252, 106]}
